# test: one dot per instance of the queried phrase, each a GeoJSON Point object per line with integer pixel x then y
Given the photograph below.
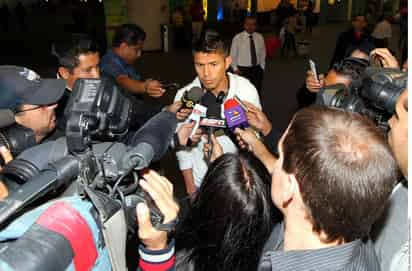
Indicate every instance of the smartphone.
{"type": "Point", "coordinates": [171, 86]}
{"type": "Point", "coordinates": [237, 99]}
{"type": "Point", "coordinates": [312, 66]}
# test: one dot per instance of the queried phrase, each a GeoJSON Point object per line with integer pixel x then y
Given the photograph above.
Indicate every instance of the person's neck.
{"type": "Point", "coordinates": [299, 235]}
{"type": "Point", "coordinates": [117, 52]}
{"type": "Point", "coordinates": [223, 86]}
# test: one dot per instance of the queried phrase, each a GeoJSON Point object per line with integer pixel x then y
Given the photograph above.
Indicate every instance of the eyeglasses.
{"type": "Point", "coordinates": [33, 108]}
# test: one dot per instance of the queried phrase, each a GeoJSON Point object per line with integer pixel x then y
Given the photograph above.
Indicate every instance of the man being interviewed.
{"type": "Point", "coordinates": [211, 60]}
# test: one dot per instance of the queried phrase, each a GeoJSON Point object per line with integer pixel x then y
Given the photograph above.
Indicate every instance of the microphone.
{"type": "Point", "coordinates": [54, 176]}
{"type": "Point", "coordinates": [151, 141]}
{"type": "Point", "coordinates": [6, 118]}
{"type": "Point", "coordinates": [192, 97]}
{"type": "Point", "coordinates": [235, 115]}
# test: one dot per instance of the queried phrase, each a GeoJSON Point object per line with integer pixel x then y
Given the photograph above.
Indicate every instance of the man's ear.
{"type": "Point", "coordinates": [64, 73]}
{"type": "Point", "coordinates": [228, 62]}
{"type": "Point", "coordinates": [290, 189]}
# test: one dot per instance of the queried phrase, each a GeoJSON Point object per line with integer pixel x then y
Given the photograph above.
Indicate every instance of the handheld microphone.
{"type": "Point", "coordinates": [191, 97]}
{"type": "Point", "coordinates": [6, 118]}
{"type": "Point", "coordinates": [235, 115]}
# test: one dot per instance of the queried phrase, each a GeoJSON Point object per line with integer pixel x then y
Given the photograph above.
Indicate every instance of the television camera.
{"type": "Point", "coordinates": [375, 94]}
{"type": "Point", "coordinates": [98, 162]}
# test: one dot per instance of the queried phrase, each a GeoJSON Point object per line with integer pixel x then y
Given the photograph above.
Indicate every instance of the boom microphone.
{"type": "Point", "coordinates": [151, 141]}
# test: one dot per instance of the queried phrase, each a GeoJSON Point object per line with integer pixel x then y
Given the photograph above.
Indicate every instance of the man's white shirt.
{"type": "Point", "coordinates": [193, 158]}
{"type": "Point", "coordinates": [240, 50]}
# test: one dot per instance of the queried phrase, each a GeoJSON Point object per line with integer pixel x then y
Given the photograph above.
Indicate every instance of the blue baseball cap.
{"type": "Point", "coordinates": [19, 85]}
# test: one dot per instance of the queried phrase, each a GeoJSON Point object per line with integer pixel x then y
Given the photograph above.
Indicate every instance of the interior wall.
{"type": "Point", "coordinates": [150, 15]}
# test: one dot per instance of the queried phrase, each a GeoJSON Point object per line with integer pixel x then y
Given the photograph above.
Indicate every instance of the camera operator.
{"type": "Point", "coordinates": [211, 60]}
{"type": "Point", "coordinates": [391, 232]}
{"type": "Point", "coordinates": [77, 57]}
{"type": "Point", "coordinates": [117, 63]}
{"type": "Point", "coordinates": [333, 177]}
{"type": "Point", "coordinates": [32, 99]}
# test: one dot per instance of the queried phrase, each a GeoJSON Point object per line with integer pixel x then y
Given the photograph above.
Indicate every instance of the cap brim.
{"type": "Point", "coordinates": [49, 92]}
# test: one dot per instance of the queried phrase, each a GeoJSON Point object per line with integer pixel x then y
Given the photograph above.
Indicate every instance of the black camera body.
{"type": "Point", "coordinates": [97, 110]}
{"type": "Point", "coordinates": [374, 96]}
{"type": "Point", "coordinates": [98, 115]}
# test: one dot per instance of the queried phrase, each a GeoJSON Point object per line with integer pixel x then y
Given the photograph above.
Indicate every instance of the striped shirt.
{"type": "Point", "coordinates": [356, 255]}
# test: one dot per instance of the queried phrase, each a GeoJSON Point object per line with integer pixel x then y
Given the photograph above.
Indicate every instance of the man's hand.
{"type": "Point", "coordinates": [247, 139]}
{"type": "Point", "coordinates": [153, 88]}
{"type": "Point", "coordinates": [258, 119]}
{"type": "Point", "coordinates": [183, 113]}
{"type": "Point", "coordinates": [312, 84]}
{"type": "Point", "coordinates": [217, 148]}
{"type": "Point", "coordinates": [7, 157]}
{"type": "Point", "coordinates": [161, 191]}
{"type": "Point", "coordinates": [386, 58]}
{"type": "Point", "coordinates": [5, 154]}
{"type": "Point", "coordinates": [184, 131]}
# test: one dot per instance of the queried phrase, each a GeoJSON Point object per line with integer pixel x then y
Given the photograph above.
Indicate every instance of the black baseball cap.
{"type": "Point", "coordinates": [19, 85]}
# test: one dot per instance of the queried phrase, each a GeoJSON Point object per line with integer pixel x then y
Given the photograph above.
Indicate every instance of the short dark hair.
{"type": "Point", "coordinates": [354, 17]}
{"type": "Point", "coordinates": [131, 34]}
{"type": "Point", "coordinates": [211, 42]}
{"type": "Point", "coordinates": [351, 67]}
{"type": "Point", "coordinates": [250, 17]}
{"type": "Point", "coordinates": [344, 167]}
{"type": "Point", "coordinates": [231, 216]}
{"type": "Point", "coordinates": [67, 51]}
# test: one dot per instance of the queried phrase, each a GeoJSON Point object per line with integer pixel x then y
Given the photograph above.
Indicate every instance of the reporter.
{"type": "Point", "coordinates": [226, 227]}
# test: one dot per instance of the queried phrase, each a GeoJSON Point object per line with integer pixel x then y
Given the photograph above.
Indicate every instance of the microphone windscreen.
{"type": "Point", "coordinates": [195, 94]}
{"type": "Point", "coordinates": [6, 118]}
{"type": "Point", "coordinates": [214, 109]}
{"type": "Point", "coordinates": [157, 132]}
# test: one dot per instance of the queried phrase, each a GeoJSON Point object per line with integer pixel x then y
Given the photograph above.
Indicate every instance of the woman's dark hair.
{"type": "Point", "coordinates": [231, 216]}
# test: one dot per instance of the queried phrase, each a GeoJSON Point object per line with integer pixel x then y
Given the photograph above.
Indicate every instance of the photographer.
{"type": "Point", "coordinates": [32, 99]}
{"type": "Point", "coordinates": [77, 57]}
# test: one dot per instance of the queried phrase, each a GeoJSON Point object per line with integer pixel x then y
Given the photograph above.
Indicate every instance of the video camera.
{"type": "Point", "coordinates": [101, 172]}
{"type": "Point", "coordinates": [374, 96]}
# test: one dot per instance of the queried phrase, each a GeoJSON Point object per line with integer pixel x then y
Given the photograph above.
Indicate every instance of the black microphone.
{"type": "Point", "coordinates": [214, 111]}
{"type": "Point", "coordinates": [191, 97]}
{"type": "Point", "coordinates": [151, 141]}
{"type": "Point", "coordinates": [6, 118]}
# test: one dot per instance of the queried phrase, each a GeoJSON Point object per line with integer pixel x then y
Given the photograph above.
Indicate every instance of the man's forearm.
{"type": "Point", "coordinates": [131, 85]}
{"type": "Point", "coordinates": [189, 181]}
{"type": "Point", "coordinates": [264, 155]}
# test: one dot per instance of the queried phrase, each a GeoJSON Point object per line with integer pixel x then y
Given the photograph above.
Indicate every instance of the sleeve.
{"type": "Point", "coordinates": [248, 92]}
{"type": "Point", "coordinates": [160, 260]}
{"type": "Point", "coordinates": [234, 52]}
{"type": "Point", "coordinates": [271, 140]}
{"type": "Point", "coordinates": [111, 69]}
{"type": "Point", "coordinates": [262, 53]}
